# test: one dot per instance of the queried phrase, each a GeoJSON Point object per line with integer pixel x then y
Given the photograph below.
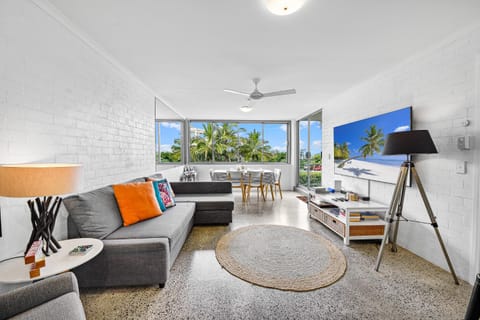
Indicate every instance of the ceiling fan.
{"type": "Point", "coordinates": [257, 95]}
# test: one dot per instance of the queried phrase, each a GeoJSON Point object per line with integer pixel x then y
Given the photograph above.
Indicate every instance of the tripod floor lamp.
{"type": "Point", "coordinates": [408, 142]}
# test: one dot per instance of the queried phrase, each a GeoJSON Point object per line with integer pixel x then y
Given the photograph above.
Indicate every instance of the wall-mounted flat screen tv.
{"type": "Point", "coordinates": [358, 146]}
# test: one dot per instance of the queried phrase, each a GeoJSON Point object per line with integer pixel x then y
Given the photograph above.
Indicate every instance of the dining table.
{"type": "Point", "coordinates": [268, 179]}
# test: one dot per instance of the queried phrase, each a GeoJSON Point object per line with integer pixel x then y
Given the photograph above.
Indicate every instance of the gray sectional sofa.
{"type": "Point", "coordinates": [143, 253]}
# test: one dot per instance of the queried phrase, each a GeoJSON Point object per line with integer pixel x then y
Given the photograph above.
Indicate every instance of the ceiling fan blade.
{"type": "Point", "coordinates": [279, 93]}
{"type": "Point", "coordinates": [237, 92]}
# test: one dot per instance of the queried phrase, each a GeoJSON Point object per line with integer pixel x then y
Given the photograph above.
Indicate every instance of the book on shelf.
{"type": "Point", "coordinates": [370, 216]}
{"type": "Point", "coordinates": [81, 250]}
{"type": "Point", "coordinates": [355, 219]}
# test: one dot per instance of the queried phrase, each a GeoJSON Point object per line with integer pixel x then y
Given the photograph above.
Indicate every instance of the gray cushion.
{"type": "Point", "coordinates": [136, 180]}
{"type": "Point", "coordinates": [31, 297]}
{"type": "Point", "coordinates": [201, 187]}
{"type": "Point", "coordinates": [67, 306]}
{"type": "Point", "coordinates": [156, 176]}
{"type": "Point", "coordinates": [170, 224]}
{"type": "Point", "coordinates": [214, 201]}
{"type": "Point", "coordinates": [94, 213]}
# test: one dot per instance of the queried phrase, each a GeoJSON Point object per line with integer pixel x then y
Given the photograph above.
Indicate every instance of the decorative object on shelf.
{"type": "Point", "coordinates": [40, 180]}
{"type": "Point", "coordinates": [408, 143]}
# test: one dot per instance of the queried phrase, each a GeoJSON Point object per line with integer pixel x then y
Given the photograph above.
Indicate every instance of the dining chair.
{"type": "Point", "coordinates": [278, 174]}
{"type": "Point", "coordinates": [219, 175]}
{"type": "Point", "coordinates": [269, 182]}
{"type": "Point", "coordinates": [255, 180]}
{"type": "Point", "coordinates": [236, 178]}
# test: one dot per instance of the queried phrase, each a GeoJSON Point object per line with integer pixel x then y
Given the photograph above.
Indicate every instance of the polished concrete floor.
{"type": "Point", "coordinates": [407, 287]}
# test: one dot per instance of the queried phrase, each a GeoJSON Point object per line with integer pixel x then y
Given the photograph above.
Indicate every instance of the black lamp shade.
{"type": "Point", "coordinates": [409, 142]}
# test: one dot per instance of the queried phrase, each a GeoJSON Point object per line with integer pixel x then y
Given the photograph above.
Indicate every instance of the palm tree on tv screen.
{"type": "Point", "coordinates": [374, 141]}
{"type": "Point", "coordinates": [341, 151]}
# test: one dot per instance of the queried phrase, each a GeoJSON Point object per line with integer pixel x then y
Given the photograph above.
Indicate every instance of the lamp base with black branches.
{"type": "Point", "coordinates": [396, 207]}
{"type": "Point", "coordinates": [43, 214]}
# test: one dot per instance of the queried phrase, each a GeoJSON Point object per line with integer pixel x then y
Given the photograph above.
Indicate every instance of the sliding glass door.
{"type": "Point", "coordinates": [309, 163]}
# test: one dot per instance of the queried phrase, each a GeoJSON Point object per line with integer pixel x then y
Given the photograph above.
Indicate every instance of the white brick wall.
{"type": "Point", "coordinates": [440, 85]}
{"type": "Point", "coordinates": [62, 101]}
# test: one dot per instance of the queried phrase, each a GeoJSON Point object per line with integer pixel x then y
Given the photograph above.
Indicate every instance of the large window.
{"type": "Point", "coordinates": [168, 141]}
{"type": "Point", "coordinates": [217, 141]}
{"type": "Point", "coordinates": [310, 151]}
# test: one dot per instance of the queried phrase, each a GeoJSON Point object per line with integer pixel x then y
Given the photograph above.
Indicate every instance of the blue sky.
{"type": "Point", "coordinates": [315, 137]}
{"type": "Point", "coordinates": [169, 132]}
{"type": "Point", "coordinates": [350, 133]}
{"type": "Point", "coordinates": [275, 134]}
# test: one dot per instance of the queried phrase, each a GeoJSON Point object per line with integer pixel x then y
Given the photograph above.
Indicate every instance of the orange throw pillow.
{"type": "Point", "coordinates": [136, 201]}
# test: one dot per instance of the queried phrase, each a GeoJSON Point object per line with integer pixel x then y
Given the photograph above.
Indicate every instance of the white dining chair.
{"type": "Point", "coordinates": [278, 174]}
{"type": "Point", "coordinates": [237, 180]}
{"type": "Point", "coordinates": [269, 182]}
{"type": "Point", "coordinates": [255, 180]}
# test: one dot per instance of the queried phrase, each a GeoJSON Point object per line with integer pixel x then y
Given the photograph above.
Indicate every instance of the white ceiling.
{"type": "Point", "coordinates": [188, 51]}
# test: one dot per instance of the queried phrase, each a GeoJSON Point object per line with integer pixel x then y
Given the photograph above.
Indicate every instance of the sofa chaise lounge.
{"type": "Point", "coordinates": [143, 253]}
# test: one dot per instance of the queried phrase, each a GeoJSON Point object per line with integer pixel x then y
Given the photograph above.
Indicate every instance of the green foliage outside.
{"type": "Point", "coordinates": [315, 178]}
{"type": "Point", "coordinates": [315, 171]}
{"type": "Point", "coordinates": [227, 143]}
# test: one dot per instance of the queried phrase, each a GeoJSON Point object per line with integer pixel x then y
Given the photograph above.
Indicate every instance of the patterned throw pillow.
{"type": "Point", "coordinates": [158, 195]}
{"type": "Point", "coordinates": [164, 192]}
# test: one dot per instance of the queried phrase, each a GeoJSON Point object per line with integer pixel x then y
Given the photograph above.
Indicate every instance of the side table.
{"type": "Point", "coordinates": [16, 271]}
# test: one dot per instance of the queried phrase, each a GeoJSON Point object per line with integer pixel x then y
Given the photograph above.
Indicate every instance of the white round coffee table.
{"type": "Point", "coordinates": [16, 271]}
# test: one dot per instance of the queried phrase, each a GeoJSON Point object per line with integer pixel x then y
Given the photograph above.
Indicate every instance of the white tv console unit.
{"type": "Point", "coordinates": [323, 208]}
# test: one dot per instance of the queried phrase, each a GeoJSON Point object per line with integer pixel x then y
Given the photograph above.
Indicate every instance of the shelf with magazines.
{"type": "Point", "coordinates": [352, 220]}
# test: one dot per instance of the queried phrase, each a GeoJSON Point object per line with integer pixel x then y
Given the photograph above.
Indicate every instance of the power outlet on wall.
{"type": "Point", "coordinates": [461, 167]}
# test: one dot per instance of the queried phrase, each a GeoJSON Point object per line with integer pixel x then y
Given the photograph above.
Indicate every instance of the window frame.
{"type": "Point", "coordinates": [188, 139]}
{"type": "Point", "coordinates": [158, 146]}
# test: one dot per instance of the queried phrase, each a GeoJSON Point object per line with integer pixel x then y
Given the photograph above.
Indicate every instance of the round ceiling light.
{"type": "Point", "coordinates": [246, 108]}
{"type": "Point", "coordinates": [284, 7]}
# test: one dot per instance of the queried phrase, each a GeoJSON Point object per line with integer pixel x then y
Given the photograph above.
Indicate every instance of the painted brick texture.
{"type": "Point", "coordinates": [440, 84]}
{"type": "Point", "coordinates": [61, 101]}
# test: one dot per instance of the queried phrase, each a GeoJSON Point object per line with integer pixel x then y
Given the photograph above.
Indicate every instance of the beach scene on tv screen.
{"type": "Point", "coordinates": [358, 146]}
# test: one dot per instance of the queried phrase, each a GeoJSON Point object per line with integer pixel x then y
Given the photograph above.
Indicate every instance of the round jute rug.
{"type": "Point", "coordinates": [281, 257]}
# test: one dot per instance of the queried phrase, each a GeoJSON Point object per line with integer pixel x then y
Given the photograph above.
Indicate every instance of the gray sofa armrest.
{"type": "Point", "coordinates": [36, 294]}
{"type": "Point", "coordinates": [201, 187]}
{"type": "Point", "coordinates": [127, 262]}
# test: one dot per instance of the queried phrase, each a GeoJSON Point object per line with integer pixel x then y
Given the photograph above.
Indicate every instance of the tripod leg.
{"type": "Point", "coordinates": [434, 222]}
{"type": "Point", "coordinates": [391, 212]}
{"type": "Point", "coordinates": [399, 210]}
